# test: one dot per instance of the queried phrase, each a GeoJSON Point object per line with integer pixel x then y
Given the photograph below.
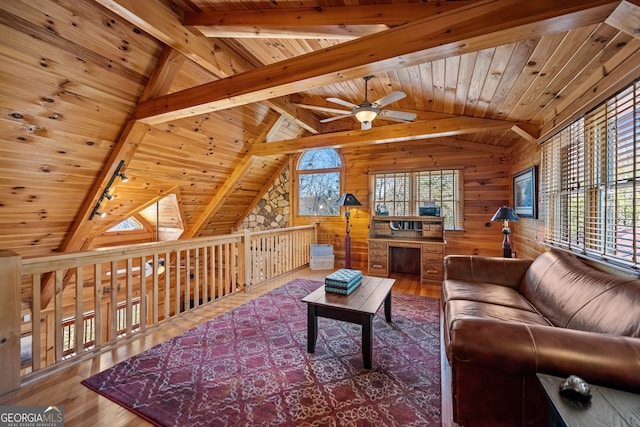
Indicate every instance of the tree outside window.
{"type": "Point", "coordinates": [319, 182]}
{"type": "Point", "coordinates": [402, 193]}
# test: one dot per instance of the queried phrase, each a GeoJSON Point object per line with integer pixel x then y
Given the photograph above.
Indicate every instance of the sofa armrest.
{"type": "Point", "coordinates": [518, 348]}
{"type": "Point", "coordinates": [475, 268]}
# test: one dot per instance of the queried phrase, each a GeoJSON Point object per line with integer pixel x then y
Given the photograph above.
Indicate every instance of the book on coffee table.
{"type": "Point", "coordinates": [343, 281]}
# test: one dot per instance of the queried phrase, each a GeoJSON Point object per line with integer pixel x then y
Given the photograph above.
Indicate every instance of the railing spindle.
{"type": "Point", "coordinates": [143, 292]}
{"type": "Point", "coordinates": [129, 296]}
{"type": "Point", "coordinates": [36, 321]}
{"type": "Point", "coordinates": [97, 304]}
{"type": "Point", "coordinates": [79, 321]}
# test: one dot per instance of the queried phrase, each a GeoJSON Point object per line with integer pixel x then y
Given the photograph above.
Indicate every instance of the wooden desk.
{"type": "Point", "coordinates": [429, 258]}
{"type": "Point", "coordinates": [608, 407]}
{"type": "Point", "coordinates": [358, 307]}
{"type": "Point", "coordinates": [424, 235]}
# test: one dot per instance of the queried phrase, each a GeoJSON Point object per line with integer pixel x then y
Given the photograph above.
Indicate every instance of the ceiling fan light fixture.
{"type": "Point", "coordinates": [366, 114]}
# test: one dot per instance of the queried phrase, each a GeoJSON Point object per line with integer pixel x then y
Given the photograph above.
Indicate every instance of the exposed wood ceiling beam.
{"type": "Point", "coordinates": [344, 22]}
{"type": "Point", "coordinates": [168, 66]}
{"type": "Point", "coordinates": [341, 32]}
{"type": "Point", "coordinates": [164, 24]}
{"type": "Point", "coordinates": [528, 132]}
{"type": "Point", "coordinates": [626, 18]}
{"type": "Point", "coordinates": [155, 18]}
{"type": "Point", "coordinates": [324, 109]}
{"type": "Point", "coordinates": [469, 28]}
{"type": "Point", "coordinates": [275, 129]}
{"type": "Point", "coordinates": [388, 14]}
{"type": "Point", "coordinates": [385, 134]}
{"type": "Point", "coordinates": [302, 117]}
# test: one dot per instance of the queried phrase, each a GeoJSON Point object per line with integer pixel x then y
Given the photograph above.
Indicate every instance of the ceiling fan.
{"type": "Point", "coordinates": [367, 111]}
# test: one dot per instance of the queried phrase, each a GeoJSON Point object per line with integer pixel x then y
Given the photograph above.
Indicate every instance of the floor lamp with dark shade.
{"type": "Point", "coordinates": [348, 199]}
{"type": "Point", "coordinates": [506, 214]}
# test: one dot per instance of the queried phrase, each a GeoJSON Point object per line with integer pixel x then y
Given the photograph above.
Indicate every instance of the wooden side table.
{"type": "Point", "coordinates": [608, 407]}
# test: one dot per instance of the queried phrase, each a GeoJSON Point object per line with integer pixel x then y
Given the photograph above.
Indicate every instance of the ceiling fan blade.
{"type": "Point", "coordinates": [397, 115]}
{"type": "Point", "coordinates": [330, 119]}
{"type": "Point", "coordinates": [390, 98]}
{"type": "Point", "coordinates": [342, 102]}
{"type": "Point", "coordinates": [365, 125]}
{"type": "Point", "coordinates": [323, 109]}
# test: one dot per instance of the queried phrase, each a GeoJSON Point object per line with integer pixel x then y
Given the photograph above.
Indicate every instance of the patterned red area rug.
{"type": "Point", "coordinates": [250, 367]}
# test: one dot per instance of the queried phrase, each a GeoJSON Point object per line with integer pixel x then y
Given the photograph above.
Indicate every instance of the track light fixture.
{"type": "Point", "coordinates": [107, 191]}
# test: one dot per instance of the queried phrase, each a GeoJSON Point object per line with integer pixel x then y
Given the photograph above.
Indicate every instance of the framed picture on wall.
{"type": "Point", "coordinates": [525, 193]}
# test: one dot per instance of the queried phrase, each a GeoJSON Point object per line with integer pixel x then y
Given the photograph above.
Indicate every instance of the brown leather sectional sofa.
{"type": "Point", "coordinates": [507, 319]}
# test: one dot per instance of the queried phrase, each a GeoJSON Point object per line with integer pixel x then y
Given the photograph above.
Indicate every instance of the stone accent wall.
{"type": "Point", "coordinates": [273, 210]}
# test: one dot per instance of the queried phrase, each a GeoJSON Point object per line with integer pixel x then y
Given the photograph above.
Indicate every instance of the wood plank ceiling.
{"type": "Point", "coordinates": [206, 99]}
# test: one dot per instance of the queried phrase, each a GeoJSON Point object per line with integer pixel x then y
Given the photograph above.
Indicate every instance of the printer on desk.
{"type": "Point", "coordinates": [429, 209]}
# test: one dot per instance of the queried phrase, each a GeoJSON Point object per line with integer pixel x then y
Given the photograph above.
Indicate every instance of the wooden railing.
{"type": "Point", "coordinates": [104, 295]}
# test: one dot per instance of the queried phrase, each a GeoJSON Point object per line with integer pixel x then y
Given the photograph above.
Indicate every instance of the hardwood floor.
{"type": "Point", "coordinates": [83, 407]}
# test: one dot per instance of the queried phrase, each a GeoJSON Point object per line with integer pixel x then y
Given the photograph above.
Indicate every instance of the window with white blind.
{"type": "Point", "coordinates": [402, 193]}
{"type": "Point", "coordinates": [591, 182]}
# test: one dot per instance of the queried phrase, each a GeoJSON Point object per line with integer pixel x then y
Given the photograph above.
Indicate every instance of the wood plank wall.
{"type": "Point", "coordinates": [527, 235]}
{"type": "Point", "coordinates": [487, 186]}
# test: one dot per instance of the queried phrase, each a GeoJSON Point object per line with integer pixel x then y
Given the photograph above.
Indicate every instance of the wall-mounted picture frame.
{"type": "Point", "coordinates": [525, 193]}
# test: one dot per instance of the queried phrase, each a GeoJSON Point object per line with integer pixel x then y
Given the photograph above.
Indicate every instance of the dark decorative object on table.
{"type": "Point", "coordinates": [575, 388]}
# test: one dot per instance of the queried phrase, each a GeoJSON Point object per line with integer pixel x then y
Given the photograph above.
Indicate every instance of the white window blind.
{"type": "Point", "coordinates": [591, 182]}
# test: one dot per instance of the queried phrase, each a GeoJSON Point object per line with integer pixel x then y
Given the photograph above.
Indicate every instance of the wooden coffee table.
{"type": "Point", "coordinates": [359, 308]}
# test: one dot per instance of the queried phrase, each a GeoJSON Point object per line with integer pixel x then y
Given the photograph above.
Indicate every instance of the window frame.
{"type": "Point", "coordinates": [301, 172]}
{"type": "Point", "coordinates": [453, 223]}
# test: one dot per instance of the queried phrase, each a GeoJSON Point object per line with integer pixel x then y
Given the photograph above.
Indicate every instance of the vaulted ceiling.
{"type": "Point", "coordinates": [206, 99]}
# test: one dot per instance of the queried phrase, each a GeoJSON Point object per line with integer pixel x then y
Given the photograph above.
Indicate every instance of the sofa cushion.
{"type": "Point", "coordinates": [484, 292]}
{"type": "Point", "coordinates": [462, 309]}
{"type": "Point", "coordinates": [572, 294]}
{"type": "Point", "coordinates": [498, 270]}
{"type": "Point", "coordinates": [615, 311]}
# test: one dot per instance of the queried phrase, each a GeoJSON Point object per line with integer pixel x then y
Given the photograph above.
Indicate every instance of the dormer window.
{"type": "Point", "coordinates": [128, 224]}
